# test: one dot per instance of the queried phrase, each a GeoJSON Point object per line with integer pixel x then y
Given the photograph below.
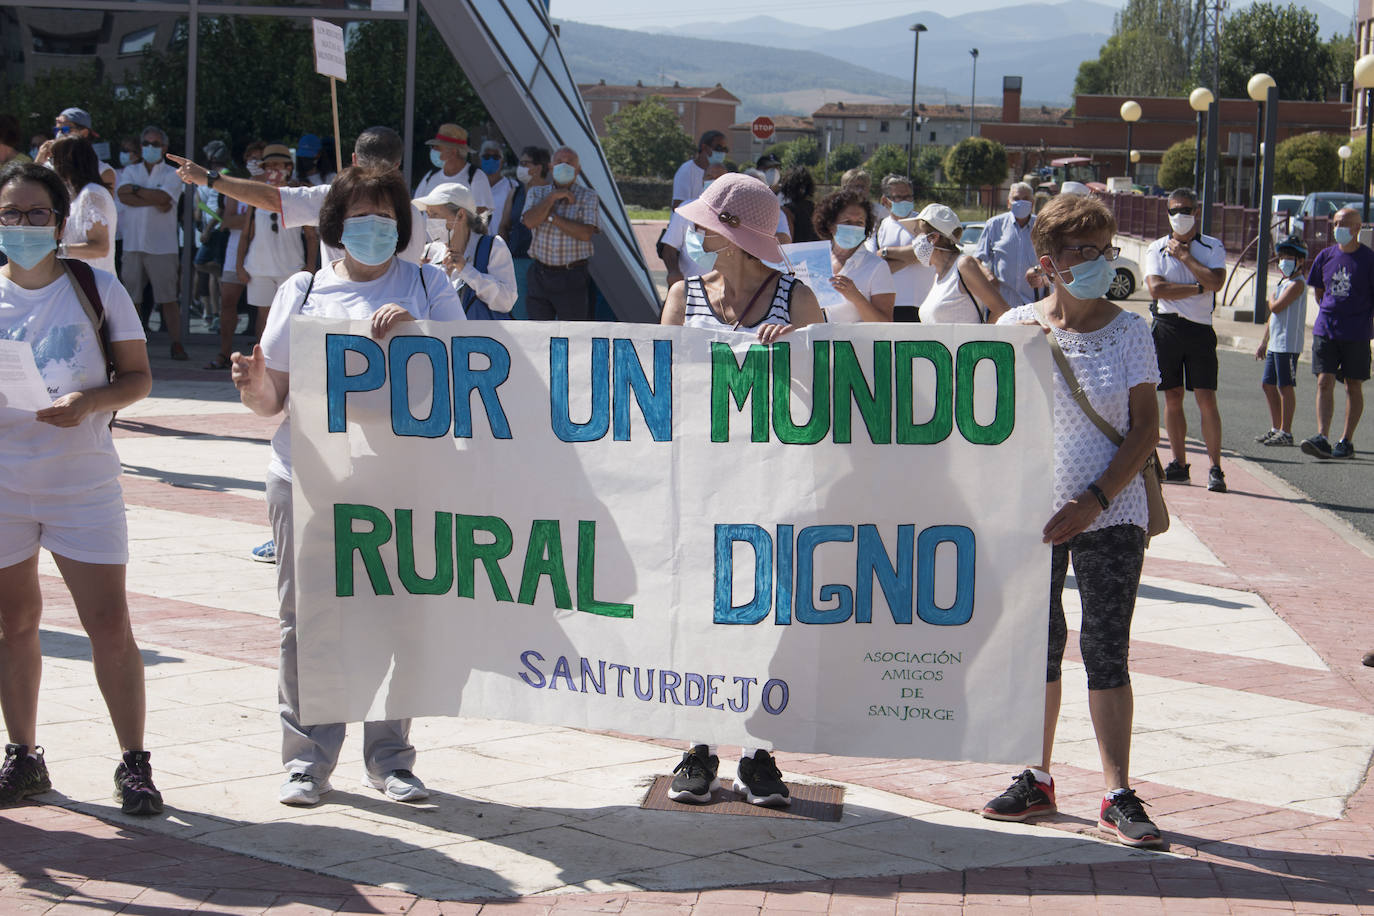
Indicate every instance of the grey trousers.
{"type": "Point", "coordinates": [314, 749]}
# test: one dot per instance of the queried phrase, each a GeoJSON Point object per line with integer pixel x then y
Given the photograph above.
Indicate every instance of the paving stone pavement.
{"type": "Point", "coordinates": [1253, 737]}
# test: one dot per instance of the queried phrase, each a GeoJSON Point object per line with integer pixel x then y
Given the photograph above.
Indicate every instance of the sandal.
{"type": "Point", "coordinates": [217, 364]}
{"type": "Point", "coordinates": [179, 352]}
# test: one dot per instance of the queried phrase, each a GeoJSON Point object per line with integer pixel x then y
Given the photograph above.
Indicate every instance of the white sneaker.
{"type": "Point", "coordinates": [303, 790]}
{"type": "Point", "coordinates": [398, 785]}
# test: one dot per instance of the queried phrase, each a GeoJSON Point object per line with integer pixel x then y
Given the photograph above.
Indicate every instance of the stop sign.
{"type": "Point", "coordinates": [762, 127]}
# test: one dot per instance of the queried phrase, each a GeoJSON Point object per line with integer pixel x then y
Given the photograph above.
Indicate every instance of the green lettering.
{"type": "Point", "coordinates": [740, 381]}
{"type": "Point", "coordinates": [819, 423]}
{"type": "Point", "coordinates": [586, 577]}
{"type": "Point", "coordinates": [875, 405]}
{"type": "Point", "coordinates": [411, 580]}
{"type": "Point", "coordinates": [544, 557]}
{"type": "Point", "coordinates": [368, 544]}
{"type": "Point", "coordinates": [941, 421]}
{"type": "Point", "coordinates": [468, 552]}
{"type": "Point", "coordinates": [1003, 358]}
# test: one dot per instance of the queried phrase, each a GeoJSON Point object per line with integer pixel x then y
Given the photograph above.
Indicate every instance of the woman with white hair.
{"type": "Point", "coordinates": [962, 293]}
{"type": "Point", "coordinates": [478, 264]}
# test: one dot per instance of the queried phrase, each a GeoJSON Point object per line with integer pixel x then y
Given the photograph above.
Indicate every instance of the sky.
{"type": "Point", "coordinates": [630, 14]}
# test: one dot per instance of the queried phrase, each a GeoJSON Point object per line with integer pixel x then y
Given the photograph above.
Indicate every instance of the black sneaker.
{"type": "Point", "coordinates": [1343, 449]}
{"type": "Point", "coordinates": [1176, 472]}
{"type": "Point", "coordinates": [1316, 446]}
{"type": "Point", "coordinates": [22, 775]}
{"type": "Point", "coordinates": [134, 789]}
{"type": "Point", "coordinates": [1124, 815]}
{"type": "Point", "coordinates": [758, 779]}
{"type": "Point", "coordinates": [1025, 797]}
{"type": "Point", "coordinates": [695, 777]}
{"type": "Point", "coordinates": [1216, 480]}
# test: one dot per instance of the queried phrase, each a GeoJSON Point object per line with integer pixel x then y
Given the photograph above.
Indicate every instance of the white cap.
{"type": "Point", "coordinates": [453, 194]}
{"type": "Point", "coordinates": [1075, 187]}
{"type": "Point", "coordinates": [938, 217]}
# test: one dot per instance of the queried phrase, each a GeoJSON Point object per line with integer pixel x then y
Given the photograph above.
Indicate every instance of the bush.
{"type": "Point", "coordinates": [977, 162]}
{"type": "Point", "coordinates": [1309, 162]}
{"type": "Point", "coordinates": [1176, 166]}
{"type": "Point", "coordinates": [886, 160]}
{"type": "Point", "coordinates": [801, 151]}
{"type": "Point", "coordinates": [646, 140]}
{"type": "Point", "coordinates": [844, 157]}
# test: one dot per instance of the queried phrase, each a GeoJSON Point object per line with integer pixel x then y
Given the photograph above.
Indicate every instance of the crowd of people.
{"type": "Point", "coordinates": [85, 245]}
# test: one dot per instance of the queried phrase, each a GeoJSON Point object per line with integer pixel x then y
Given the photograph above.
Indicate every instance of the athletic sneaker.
{"type": "Point", "coordinates": [1025, 797]}
{"type": "Point", "coordinates": [22, 775]}
{"type": "Point", "coordinates": [1316, 446]}
{"type": "Point", "coordinates": [266, 553]}
{"type": "Point", "coordinates": [695, 776]}
{"type": "Point", "coordinates": [758, 779]}
{"type": "Point", "coordinates": [1343, 449]}
{"type": "Point", "coordinates": [134, 789]}
{"type": "Point", "coordinates": [1216, 480]}
{"type": "Point", "coordinates": [1176, 472]}
{"type": "Point", "coordinates": [302, 790]}
{"type": "Point", "coordinates": [1279, 437]}
{"type": "Point", "coordinates": [1124, 815]}
{"type": "Point", "coordinates": [1263, 438]}
{"type": "Point", "coordinates": [398, 785]}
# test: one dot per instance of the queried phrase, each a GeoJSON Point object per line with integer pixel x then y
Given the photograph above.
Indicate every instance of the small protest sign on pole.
{"type": "Point", "coordinates": [330, 62]}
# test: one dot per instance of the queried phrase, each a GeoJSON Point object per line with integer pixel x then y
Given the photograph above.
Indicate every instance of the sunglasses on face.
{"type": "Point", "coordinates": [62, 130]}
{"type": "Point", "coordinates": [1175, 211]}
{"type": "Point", "coordinates": [38, 216]}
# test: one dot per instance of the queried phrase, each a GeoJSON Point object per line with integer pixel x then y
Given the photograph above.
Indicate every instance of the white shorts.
{"type": "Point", "coordinates": [262, 290]}
{"type": "Point", "coordinates": [89, 526]}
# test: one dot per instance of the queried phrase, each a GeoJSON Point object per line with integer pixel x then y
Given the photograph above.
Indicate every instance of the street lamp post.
{"type": "Point", "coordinates": [1266, 194]}
{"type": "Point", "coordinates": [1344, 152]}
{"type": "Point", "coordinates": [1130, 113]}
{"type": "Point", "coordinates": [1258, 89]}
{"type": "Point", "coordinates": [1200, 99]}
{"type": "Point", "coordinates": [973, 93]}
{"type": "Point", "coordinates": [918, 28]}
{"type": "Point", "coordinates": [1364, 78]}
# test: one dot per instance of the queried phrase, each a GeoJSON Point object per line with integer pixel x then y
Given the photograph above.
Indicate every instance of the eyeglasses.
{"type": "Point", "coordinates": [721, 149]}
{"type": "Point", "coordinates": [1185, 211]}
{"type": "Point", "coordinates": [1092, 252]}
{"type": "Point", "coordinates": [38, 216]}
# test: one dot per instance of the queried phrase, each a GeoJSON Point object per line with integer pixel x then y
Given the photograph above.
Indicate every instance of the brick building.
{"type": "Point", "coordinates": [870, 126]}
{"type": "Point", "coordinates": [698, 108]}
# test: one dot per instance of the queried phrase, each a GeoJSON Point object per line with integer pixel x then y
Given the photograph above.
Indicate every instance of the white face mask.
{"type": "Point", "coordinates": [1182, 223]}
{"type": "Point", "coordinates": [436, 229]}
{"type": "Point", "coordinates": [522, 174]}
{"type": "Point", "coordinates": [923, 247]}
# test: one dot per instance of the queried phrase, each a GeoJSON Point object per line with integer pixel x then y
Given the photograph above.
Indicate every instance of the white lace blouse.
{"type": "Point", "coordinates": [92, 205]}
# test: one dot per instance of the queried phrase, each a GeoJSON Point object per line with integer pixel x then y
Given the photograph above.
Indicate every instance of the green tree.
{"type": "Point", "coordinates": [1343, 53]}
{"type": "Point", "coordinates": [1176, 165]}
{"type": "Point", "coordinates": [801, 151]}
{"type": "Point", "coordinates": [888, 159]}
{"type": "Point", "coordinates": [646, 140]}
{"type": "Point", "coordinates": [1152, 50]}
{"type": "Point", "coordinates": [1283, 41]}
{"type": "Point", "coordinates": [1308, 162]}
{"type": "Point", "coordinates": [844, 157]}
{"type": "Point", "coordinates": [976, 162]}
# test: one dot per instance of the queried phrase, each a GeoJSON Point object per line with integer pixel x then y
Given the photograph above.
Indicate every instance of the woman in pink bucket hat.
{"type": "Point", "coordinates": [736, 218]}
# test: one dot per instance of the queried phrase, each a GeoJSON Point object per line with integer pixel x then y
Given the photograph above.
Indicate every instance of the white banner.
{"type": "Point", "coordinates": [832, 545]}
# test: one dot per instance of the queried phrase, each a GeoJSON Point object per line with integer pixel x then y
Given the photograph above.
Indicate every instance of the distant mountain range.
{"type": "Point", "coordinates": [778, 67]}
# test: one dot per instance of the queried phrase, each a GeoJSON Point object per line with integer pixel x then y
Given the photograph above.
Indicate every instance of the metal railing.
{"type": "Point", "coordinates": [1147, 218]}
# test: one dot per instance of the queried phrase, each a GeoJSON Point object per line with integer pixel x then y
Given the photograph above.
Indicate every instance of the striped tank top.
{"type": "Point", "coordinates": [700, 314]}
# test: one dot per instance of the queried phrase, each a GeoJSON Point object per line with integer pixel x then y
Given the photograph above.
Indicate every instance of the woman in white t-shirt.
{"type": "Point", "coordinates": [1100, 511]}
{"type": "Point", "coordinates": [369, 214]}
{"type": "Point", "coordinates": [961, 293]}
{"type": "Point", "coordinates": [59, 482]}
{"type": "Point", "coordinates": [90, 229]}
{"type": "Point", "coordinates": [860, 276]}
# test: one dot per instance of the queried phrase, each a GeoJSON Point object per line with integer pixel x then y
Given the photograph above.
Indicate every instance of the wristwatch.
{"type": "Point", "coordinates": [882, 252]}
{"type": "Point", "coordinates": [1102, 499]}
{"type": "Point", "coordinates": [211, 177]}
{"type": "Point", "coordinates": [1199, 288]}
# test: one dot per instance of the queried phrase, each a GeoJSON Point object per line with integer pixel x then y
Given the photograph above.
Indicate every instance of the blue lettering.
{"type": "Point", "coordinates": [656, 403]}
{"type": "Point", "coordinates": [525, 659]}
{"type": "Point", "coordinates": [894, 579]}
{"type": "Point", "coordinates": [399, 353]}
{"type": "Point", "coordinates": [810, 538]}
{"type": "Point", "coordinates": [484, 381]}
{"type": "Point", "coordinates": [961, 611]}
{"type": "Point", "coordinates": [560, 411]}
{"type": "Point", "coordinates": [757, 608]}
{"type": "Point", "coordinates": [339, 383]}
{"type": "Point", "coordinates": [563, 670]}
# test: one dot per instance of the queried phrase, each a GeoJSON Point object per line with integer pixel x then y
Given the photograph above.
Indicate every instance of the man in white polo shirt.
{"type": "Point", "coordinates": [1184, 270]}
{"type": "Point", "coordinates": [149, 191]}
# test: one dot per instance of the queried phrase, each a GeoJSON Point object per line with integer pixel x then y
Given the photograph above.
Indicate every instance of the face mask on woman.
{"type": "Point", "coordinates": [491, 164]}
{"type": "Point", "coordinates": [563, 173]}
{"type": "Point", "coordinates": [902, 208]}
{"type": "Point", "coordinates": [849, 237]}
{"type": "Point", "coordinates": [436, 229]}
{"type": "Point", "coordinates": [27, 246]}
{"type": "Point", "coordinates": [923, 248]}
{"type": "Point", "coordinates": [522, 174]}
{"type": "Point", "coordinates": [694, 243]}
{"type": "Point", "coordinates": [1091, 279]}
{"type": "Point", "coordinates": [370, 240]}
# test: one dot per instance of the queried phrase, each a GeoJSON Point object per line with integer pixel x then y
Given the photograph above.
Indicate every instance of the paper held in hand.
{"type": "Point", "coordinates": [811, 264]}
{"type": "Point", "coordinates": [21, 385]}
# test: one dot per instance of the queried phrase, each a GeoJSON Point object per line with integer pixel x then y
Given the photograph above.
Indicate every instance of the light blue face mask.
{"type": "Point", "coordinates": [152, 154]}
{"type": "Point", "coordinates": [717, 157]}
{"type": "Point", "coordinates": [1020, 209]}
{"type": "Point", "coordinates": [1342, 235]}
{"type": "Point", "coordinates": [369, 240]}
{"type": "Point", "coordinates": [434, 158]}
{"type": "Point", "coordinates": [1287, 266]}
{"type": "Point", "coordinates": [563, 173]}
{"type": "Point", "coordinates": [1091, 279]}
{"type": "Point", "coordinates": [694, 244]}
{"type": "Point", "coordinates": [126, 157]}
{"type": "Point", "coordinates": [849, 237]}
{"type": "Point", "coordinates": [27, 246]}
{"type": "Point", "coordinates": [902, 208]}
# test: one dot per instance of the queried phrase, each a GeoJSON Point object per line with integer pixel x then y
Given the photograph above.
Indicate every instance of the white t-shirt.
{"type": "Point", "coordinates": [687, 181]}
{"type": "Point", "coordinates": [474, 178]}
{"type": "Point", "coordinates": [949, 301]}
{"type": "Point", "coordinates": [496, 286]}
{"type": "Point", "coordinates": [871, 277]}
{"type": "Point", "coordinates": [1108, 363]}
{"type": "Point", "coordinates": [148, 229]}
{"type": "Point", "coordinates": [1159, 263]}
{"type": "Point", "coordinates": [93, 204]}
{"type": "Point", "coordinates": [273, 254]}
{"type": "Point", "coordinates": [331, 296]}
{"type": "Point", "coordinates": [231, 247]}
{"type": "Point", "coordinates": [301, 207]}
{"type": "Point", "coordinates": [911, 283]}
{"type": "Point", "coordinates": [500, 193]}
{"type": "Point", "coordinates": [39, 459]}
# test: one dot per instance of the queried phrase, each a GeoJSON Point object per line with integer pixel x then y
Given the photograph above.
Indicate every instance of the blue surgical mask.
{"type": "Point", "coordinates": [33, 152]}
{"type": "Point", "coordinates": [1287, 266]}
{"type": "Point", "coordinates": [694, 244]}
{"type": "Point", "coordinates": [434, 158]}
{"type": "Point", "coordinates": [1342, 235]}
{"type": "Point", "coordinates": [1020, 209]}
{"type": "Point", "coordinates": [902, 208]}
{"type": "Point", "coordinates": [717, 157]}
{"type": "Point", "coordinates": [27, 246]}
{"type": "Point", "coordinates": [491, 164]}
{"type": "Point", "coordinates": [1091, 279]}
{"type": "Point", "coordinates": [563, 173]}
{"type": "Point", "coordinates": [370, 240]}
{"type": "Point", "coordinates": [152, 154]}
{"type": "Point", "coordinates": [126, 157]}
{"type": "Point", "coordinates": [849, 237]}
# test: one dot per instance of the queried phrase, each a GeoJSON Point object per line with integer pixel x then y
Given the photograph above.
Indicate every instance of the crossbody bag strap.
{"type": "Point", "coordinates": [1080, 396]}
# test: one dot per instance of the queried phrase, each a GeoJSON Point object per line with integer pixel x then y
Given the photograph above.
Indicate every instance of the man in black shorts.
{"type": "Point", "coordinates": [1183, 271]}
{"type": "Point", "coordinates": [1342, 280]}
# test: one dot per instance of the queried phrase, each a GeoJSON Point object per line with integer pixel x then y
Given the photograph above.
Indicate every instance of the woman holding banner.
{"type": "Point", "coordinates": [1101, 513]}
{"type": "Point", "coordinates": [368, 213]}
{"type": "Point", "coordinates": [736, 219]}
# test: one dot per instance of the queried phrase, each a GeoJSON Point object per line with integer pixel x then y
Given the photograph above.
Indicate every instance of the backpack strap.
{"type": "Point", "coordinates": [481, 257]}
{"type": "Point", "coordinates": [82, 278]}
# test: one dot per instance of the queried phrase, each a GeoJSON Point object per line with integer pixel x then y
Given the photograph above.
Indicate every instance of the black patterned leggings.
{"type": "Point", "coordinates": [1106, 564]}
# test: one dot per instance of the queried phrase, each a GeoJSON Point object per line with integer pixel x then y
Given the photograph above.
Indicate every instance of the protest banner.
{"type": "Point", "coordinates": [331, 60]}
{"type": "Point", "coordinates": [831, 544]}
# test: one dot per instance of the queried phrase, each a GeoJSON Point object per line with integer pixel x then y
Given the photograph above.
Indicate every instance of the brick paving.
{"type": "Point", "coordinates": [1230, 856]}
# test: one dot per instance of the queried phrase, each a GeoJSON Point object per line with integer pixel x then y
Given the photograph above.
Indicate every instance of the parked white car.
{"type": "Point", "coordinates": [1127, 280]}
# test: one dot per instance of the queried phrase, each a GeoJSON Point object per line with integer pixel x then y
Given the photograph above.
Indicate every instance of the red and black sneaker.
{"type": "Point", "coordinates": [1124, 815]}
{"type": "Point", "coordinates": [22, 775]}
{"type": "Point", "coordinates": [133, 785]}
{"type": "Point", "coordinates": [1026, 797]}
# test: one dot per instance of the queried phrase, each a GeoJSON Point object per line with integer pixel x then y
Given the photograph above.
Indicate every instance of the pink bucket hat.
{"type": "Point", "coordinates": [742, 209]}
